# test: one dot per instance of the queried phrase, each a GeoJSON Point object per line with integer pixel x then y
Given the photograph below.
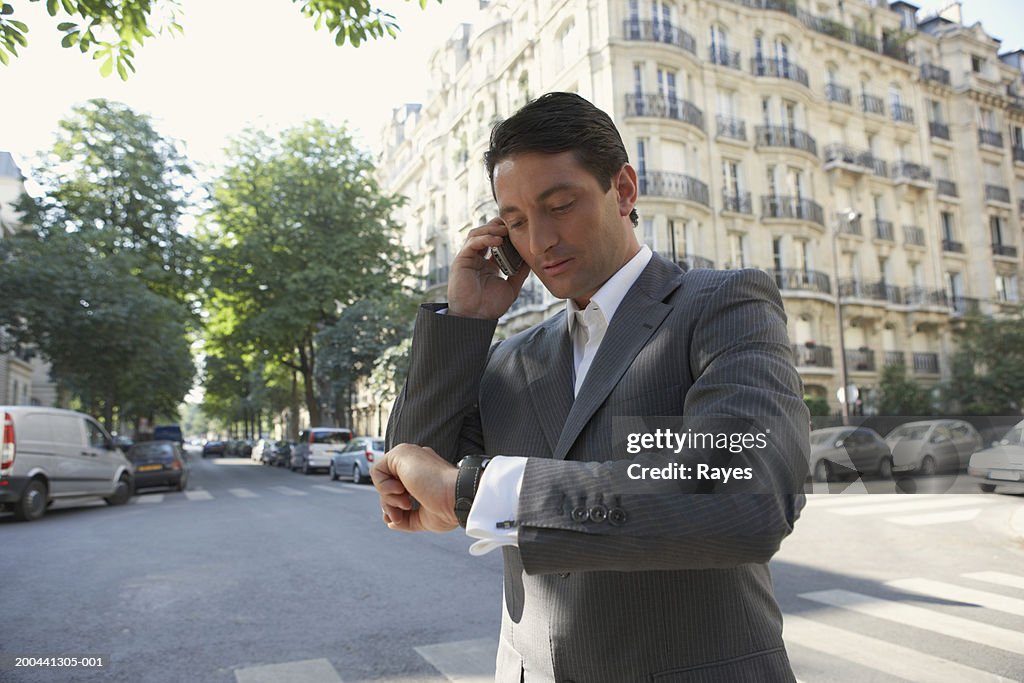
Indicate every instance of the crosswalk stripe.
{"type": "Point", "coordinates": [896, 660]}
{"type": "Point", "coordinates": [307, 671]}
{"type": "Point", "coordinates": [198, 495]}
{"type": "Point", "coordinates": [467, 661]}
{"type": "Point", "coordinates": [359, 487]}
{"type": "Point", "coordinates": [936, 518]}
{"type": "Point", "coordinates": [948, 501]}
{"type": "Point", "coordinates": [243, 493]}
{"type": "Point", "coordinates": [150, 498]}
{"type": "Point", "coordinates": [332, 489]}
{"type": "Point", "coordinates": [954, 593]}
{"type": "Point", "coordinates": [926, 619]}
{"type": "Point", "coordinates": [843, 500]}
{"type": "Point", "coordinates": [289, 491]}
{"type": "Point", "coordinates": [1000, 578]}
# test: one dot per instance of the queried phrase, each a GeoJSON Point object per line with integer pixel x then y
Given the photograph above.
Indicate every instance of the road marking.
{"type": "Point", "coordinates": [150, 498]}
{"type": "Point", "coordinates": [289, 491]}
{"type": "Point", "coordinates": [308, 671]}
{"type": "Point", "coordinates": [954, 593]}
{"type": "Point", "coordinates": [360, 487]}
{"type": "Point", "coordinates": [466, 661]}
{"type": "Point", "coordinates": [949, 501]}
{"type": "Point", "coordinates": [1011, 580]}
{"type": "Point", "coordinates": [936, 518]}
{"type": "Point", "coordinates": [895, 660]}
{"type": "Point", "coordinates": [926, 619]}
{"type": "Point", "coordinates": [243, 493]}
{"type": "Point", "coordinates": [198, 495]}
{"type": "Point", "coordinates": [332, 489]}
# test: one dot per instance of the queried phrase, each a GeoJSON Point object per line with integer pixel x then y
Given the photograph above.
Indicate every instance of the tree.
{"type": "Point", "coordinates": [110, 29]}
{"type": "Point", "coordinates": [988, 368]}
{"type": "Point", "coordinates": [899, 395]}
{"type": "Point", "coordinates": [298, 231]}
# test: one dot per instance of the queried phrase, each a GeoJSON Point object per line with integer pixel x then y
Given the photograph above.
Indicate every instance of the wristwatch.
{"type": "Point", "coordinates": [471, 468]}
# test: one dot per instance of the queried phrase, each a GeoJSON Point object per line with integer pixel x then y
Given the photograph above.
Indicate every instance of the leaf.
{"type": "Point", "coordinates": [4, 59]}
{"type": "Point", "coordinates": [107, 68]}
{"type": "Point", "coordinates": [21, 26]}
{"type": "Point", "coordinates": [66, 26]}
{"type": "Point", "coordinates": [69, 40]}
{"type": "Point", "coordinates": [6, 9]}
{"type": "Point", "coordinates": [339, 39]}
{"type": "Point", "coordinates": [51, 7]}
{"type": "Point", "coordinates": [69, 6]}
{"type": "Point", "coordinates": [121, 70]}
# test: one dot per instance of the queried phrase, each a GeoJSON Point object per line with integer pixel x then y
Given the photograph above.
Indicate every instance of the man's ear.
{"type": "Point", "coordinates": [626, 188]}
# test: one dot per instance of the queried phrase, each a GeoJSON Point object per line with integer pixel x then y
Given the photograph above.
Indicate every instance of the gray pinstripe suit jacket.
{"type": "Point", "coordinates": [677, 588]}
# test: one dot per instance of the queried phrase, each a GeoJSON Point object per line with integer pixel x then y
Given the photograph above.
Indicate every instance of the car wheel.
{"type": "Point", "coordinates": [928, 466]}
{"type": "Point", "coordinates": [32, 503]}
{"type": "Point", "coordinates": [885, 468]}
{"type": "Point", "coordinates": [987, 488]}
{"type": "Point", "coordinates": [122, 492]}
{"type": "Point", "coordinates": [332, 473]}
{"type": "Point", "coordinates": [357, 476]}
{"type": "Point", "coordinates": [822, 471]}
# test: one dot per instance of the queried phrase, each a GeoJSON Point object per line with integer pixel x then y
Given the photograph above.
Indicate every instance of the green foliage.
{"type": "Point", "coordinates": [817, 406]}
{"type": "Point", "coordinates": [390, 371]}
{"type": "Point", "coordinates": [899, 395]}
{"type": "Point", "coordinates": [111, 29]}
{"type": "Point", "coordinates": [298, 232]}
{"type": "Point", "coordinates": [988, 368]}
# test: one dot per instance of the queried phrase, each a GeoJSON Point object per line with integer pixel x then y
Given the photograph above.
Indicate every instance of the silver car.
{"type": "Point", "coordinates": [931, 446]}
{"type": "Point", "coordinates": [1002, 464]}
{"type": "Point", "coordinates": [317, 446]}
{"type": "Point", "coordinates": [836, 450]}
{"type": "Point", "coordinates": [357, 459]}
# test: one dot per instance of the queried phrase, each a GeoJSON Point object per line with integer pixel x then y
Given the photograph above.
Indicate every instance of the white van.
{"type": "Point", "coordinates": [49, 453]}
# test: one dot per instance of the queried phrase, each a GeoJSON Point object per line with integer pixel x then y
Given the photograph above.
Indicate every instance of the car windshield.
{"type": "Point", "coordinates": [378, 445]}
{"type": "Point", "coordinates": [910, 433]}
{"type": "Point", "coordinates": [149, 451]}
{"type": "Point", "coordinates": [828, 435]}
{"type": "Point", "coordinates": [331, 437]}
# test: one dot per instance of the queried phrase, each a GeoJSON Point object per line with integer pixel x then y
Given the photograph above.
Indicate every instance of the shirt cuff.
{"type": "Point", "coordinates": [497, 500]}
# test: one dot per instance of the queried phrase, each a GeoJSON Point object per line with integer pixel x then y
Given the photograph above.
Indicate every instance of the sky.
{"type": "Point", "coordinates": [261, 63]}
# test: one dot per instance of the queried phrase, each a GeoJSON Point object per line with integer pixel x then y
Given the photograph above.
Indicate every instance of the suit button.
{"type": "Point", "coordinates": [598, 513]}
{"type": "Point", "coordinates": [580, 514]}
{"type": "Point", "coordinates": [617, 516]}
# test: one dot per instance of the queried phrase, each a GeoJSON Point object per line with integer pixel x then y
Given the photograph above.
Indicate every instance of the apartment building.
{"type": "Point", "coordinates": [870, 159]}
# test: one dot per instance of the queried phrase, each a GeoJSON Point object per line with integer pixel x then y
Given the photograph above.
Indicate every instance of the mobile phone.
{"type": "Point", "coordinates": [507, 258]}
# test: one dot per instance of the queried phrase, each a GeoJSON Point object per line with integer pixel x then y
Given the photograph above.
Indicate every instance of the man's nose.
{"type": "Point", "coordinates": [543, 235]}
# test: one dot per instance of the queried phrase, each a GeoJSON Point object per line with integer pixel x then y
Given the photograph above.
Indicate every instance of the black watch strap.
{"type": "Point", "coordinates": [471, 468]}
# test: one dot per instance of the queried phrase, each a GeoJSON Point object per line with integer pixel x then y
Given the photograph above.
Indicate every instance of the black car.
{"type": "Point", "coordinates": [159, 463]}
{"type": "Point", "coordinates": [211, 448]}
{"type": "Point", "coordinates": [282, 454]}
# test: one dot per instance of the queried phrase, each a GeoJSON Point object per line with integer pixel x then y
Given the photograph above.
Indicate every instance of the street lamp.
{"type": "Point", "coordinates": [849, 215]}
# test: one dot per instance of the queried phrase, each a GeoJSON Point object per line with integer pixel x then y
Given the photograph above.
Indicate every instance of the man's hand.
{"type": "Point", "coordinates": [476, 287]}
{"type": "Point", "coordinates": [406, 472]}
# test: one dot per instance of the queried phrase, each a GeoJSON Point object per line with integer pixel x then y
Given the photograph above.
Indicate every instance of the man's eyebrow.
{"type": "Point", "coordinates": [554, 189]}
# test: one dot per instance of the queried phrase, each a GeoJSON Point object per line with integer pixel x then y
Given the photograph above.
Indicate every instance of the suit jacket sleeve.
{"type": "Point", "coordinates": [742, 367]}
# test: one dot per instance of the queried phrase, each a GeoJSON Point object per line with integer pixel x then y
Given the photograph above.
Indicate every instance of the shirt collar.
{"type": "Point", "coordinates": [614, 290]}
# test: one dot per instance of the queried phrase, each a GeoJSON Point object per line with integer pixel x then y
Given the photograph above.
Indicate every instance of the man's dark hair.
{"type": "Point", "coordinates": [561, 122]}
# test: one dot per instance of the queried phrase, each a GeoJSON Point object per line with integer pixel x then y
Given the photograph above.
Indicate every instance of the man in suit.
{"type": "Point", "coordinates": [608, 576]}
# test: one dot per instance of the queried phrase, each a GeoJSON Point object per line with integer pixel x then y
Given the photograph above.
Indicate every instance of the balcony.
{"type": "Point", "coordinates": [895, 358]}
{"type": "Point", "coordinates": [723, 56]}
{"type": "Point", "coordinates": [902, 113]}
{"type": "Point", "coordinates": [779, 68]}
{"type": "Point", "coordinates": [938, 130]}
{"type": "Point", "coordinates": [997, 193]}
{"type": "Point", "coordinates": [795, 208]}
{"type": "Point", "coordinates": [962, 305]}
{"type": "Point", "coordinates": [926, 363]}
{"type": "Point", "coordinates": [992, 138]}
{"type": "Point", "coordinates": [952, 246]}
{"type": "Point", "coordinates": [851, 159]}
{"type": "Point", "coordinates": [737, 203]}
{"type": "Point", "coordinates": [884, 230]}
{"type": "Point", "coordinates": [673, 185]}
{"type": "Point", "coordinates": [837, 93]}
{"type": "Point", "coordinates": [795, 280]}
{"type": "Point", "coordinates": [1004, 250]}
{"type": "Point", "coordinates": [865, 40]}
{"type": "Point", "coordinates": [691, 261]}
{"type": "Point", "coordinates": [780, 136]}
{"type": "Point", "coordinates": [728, 127]}
{"type": "Point", "coordinates": [872, 104]}
{"type": "Point", "coordinates": [905, 171]}
{"type": "Point", "coordinates": [860, 360]}
{"type": "Point", "coordinates": [947, 188]}
{"type": "Point", "coordinates": [530, 296]}
{"type": "Point", "coordinates": [848, 226]}
{"type": "Point", "coordinates": [661, 106]}
{"type": "Point", "coordinates": [1018, 154]}
{"type": "Point", "coordinates": [936, 74]}
{"type": "Point", "coordinates": [659, 32]}
{"type": "Point", "coordinates": [895, 49]}
{"type": "Point", "coordinates": [811, 356]}
{"type": "Point", "coordinates": [913, 235]}
{"type": "Point", "coordinates": [855, 289]}
{"type": "Point", "coordinates": [921, 296]}
{"type": "Point", "coordinates": [438, 276]}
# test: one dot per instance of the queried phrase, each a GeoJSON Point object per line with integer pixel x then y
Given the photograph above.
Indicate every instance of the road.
{"type": "Point", "coordinates": [256, 575]}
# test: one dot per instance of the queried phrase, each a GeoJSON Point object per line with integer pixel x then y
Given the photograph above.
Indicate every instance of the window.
{"type": "Point", "coordinates": [1006, 288]}
{"type": "Point", "coordinates": [995, 226]}
{"type": "Point", "coordinates": [766, 111]}
{"type": "Point", "coordinates": [955, 285]}
{"type": "Point", "coordinates": [773, 189]}
{"type": "Point", "coordinates": [883, 270]}
{"type": "Point", "coordinates": [789, 111]}
{"type": "Point", "coordinates": [737, 250]}
{"type": "Point", "coordinates": [731, 177]}
{"type": "Point", "coordinates": [568, 45]}
{"type": "Point", "coordinates": [649, 233]}
{"type": "Point", "coordinates": [977, 64]}
{"type": "Point", "coordinates": [879, 206]}
{"type": "Point", "coordinates": [95, 435]}
{"type": "Point", "coordinates": [987, 119]}
{"type": "Point", "coordinates": [942, 167]}
{"type": "Point", "coordinates": [935, 110]}
{"type": "Point", "coordinates": [948, 227]}
{"type": "Point", "coordinates": [719, 42]}
{"type": "Point", "coordinates": [1017, 137]}
{"type": "Point", "coordinates": [638, 82]}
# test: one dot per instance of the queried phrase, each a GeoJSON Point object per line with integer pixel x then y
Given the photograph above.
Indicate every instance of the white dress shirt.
{"type": "Point", "coordinates": [497, 497]}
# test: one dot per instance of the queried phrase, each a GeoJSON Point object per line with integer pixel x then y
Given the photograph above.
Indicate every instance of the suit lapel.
{"type": "Point", "coordinates": [547, 365]}
{"type": "Point", "coordinates": [638, 317]}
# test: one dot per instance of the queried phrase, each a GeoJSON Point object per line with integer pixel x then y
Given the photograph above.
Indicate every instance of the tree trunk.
{"type": "Point", "coordinates": [306, 366]}
{"type": "Point", "coordinates": [293, 410]}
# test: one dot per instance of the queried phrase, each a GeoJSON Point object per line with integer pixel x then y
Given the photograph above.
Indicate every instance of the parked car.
{"type": "Point", "coordinates": [282, 454]}
{"type": "Point", "coordinates": [262, 446]}
{"type": "Point", "coordinates": [159, 463]}
{"type": "Point", "coordinates": [1002, 464]}
{"type": "Point", "coordinates": [858, 448]}
{"type": "Point", "coordinates": [357, 459]}
{"type": "Point", "coordinates": [931, 446]}
{"type": "Point", "coordinates": [123, 442]}
{"type": "Point", "coordinates": [48, 454]}
{"type": "Point", "coordinates": [168, 433]}
{"type": "Point", "coordinates": [316, 447]}
{"type": "Point", "coordinates": [211, 448]}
